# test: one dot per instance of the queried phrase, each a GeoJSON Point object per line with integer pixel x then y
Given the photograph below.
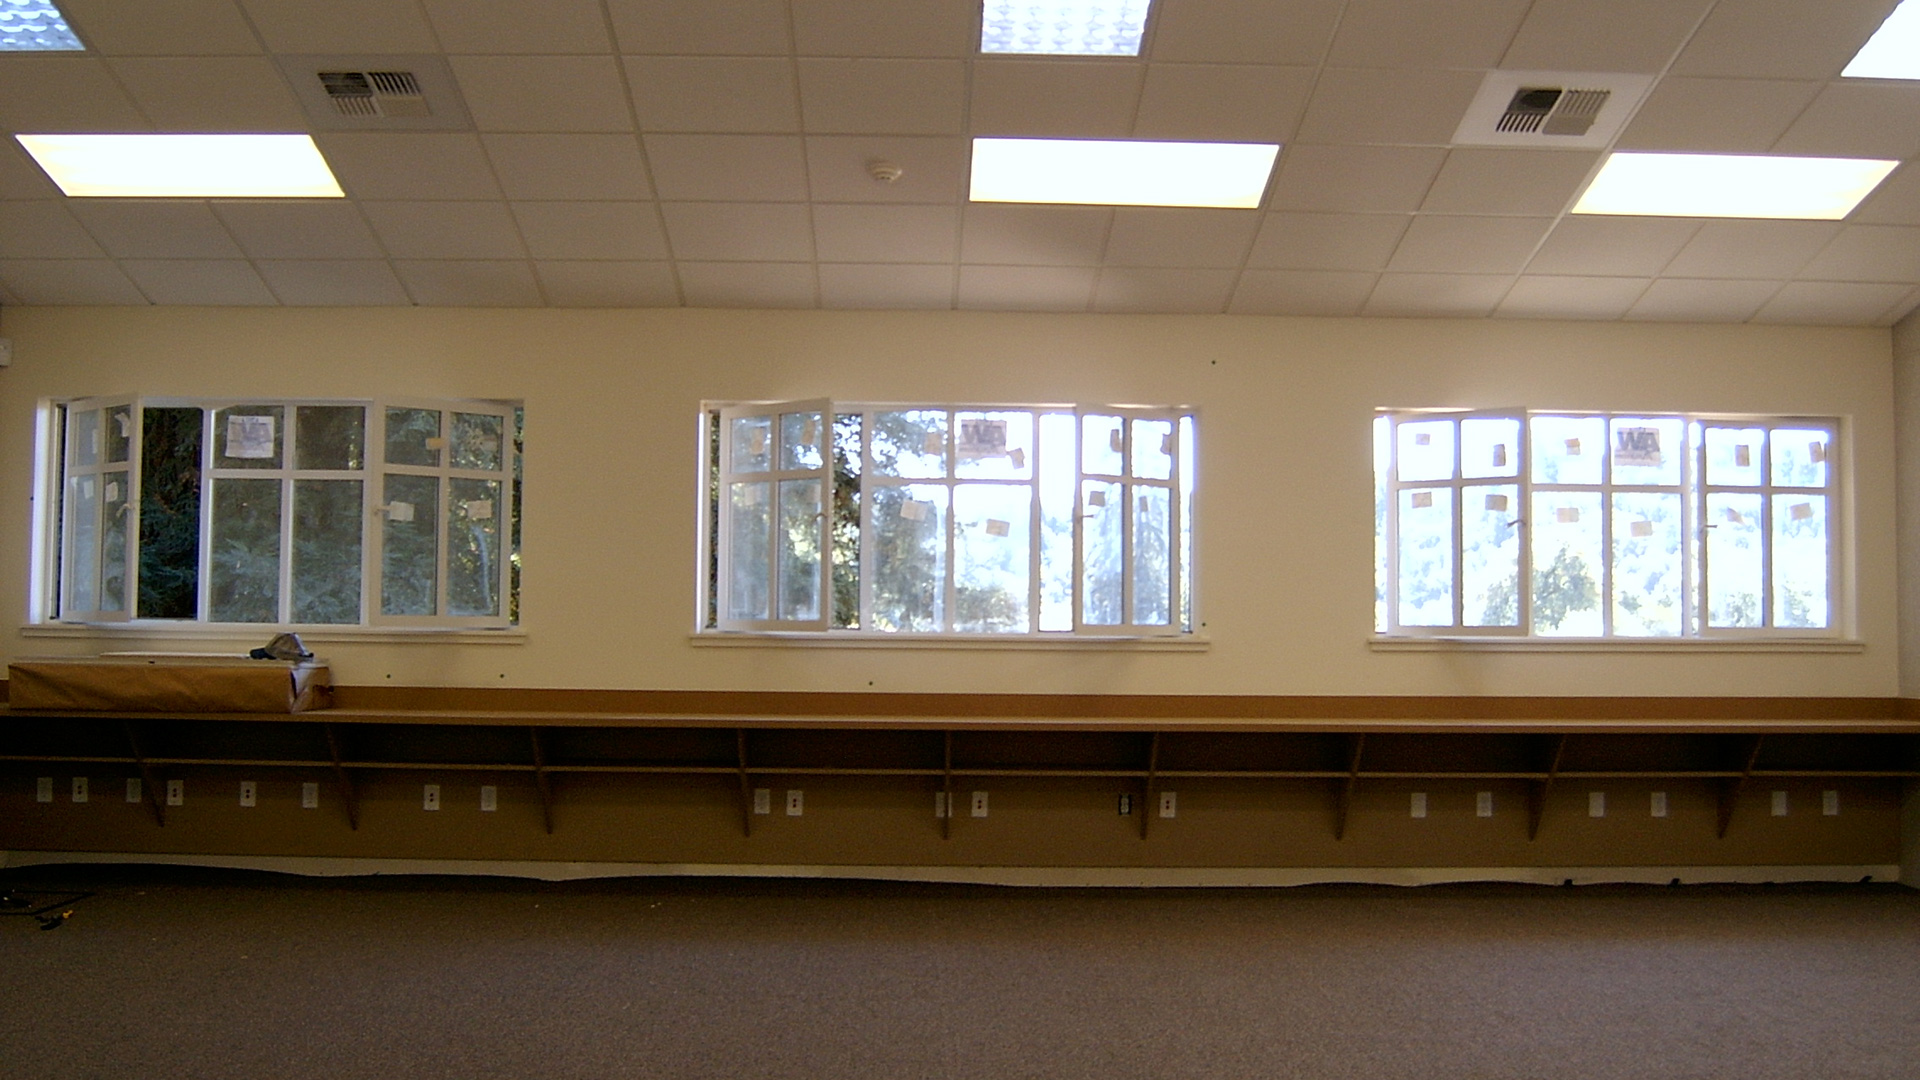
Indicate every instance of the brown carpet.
{"type": "Point", "coordinates": [181, 973]}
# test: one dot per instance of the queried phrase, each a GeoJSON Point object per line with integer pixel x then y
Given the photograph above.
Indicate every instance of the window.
{"type": "Point", "coordinates": [938, 519]}
{"type": "Point", "coordinates": [294, 513]}
{"type": "Point", "coordinates": [1589, 525]}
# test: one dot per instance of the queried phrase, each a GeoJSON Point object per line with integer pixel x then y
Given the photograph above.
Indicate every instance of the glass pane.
{"type": "Point", "coordinates": [114, 520]}
{"type": "Point", "coordinates": [83, 439]}
{"type": "Point", "coordinates": [992, 546]}
{"type": "Point", "coordinates": [1733, 455]}
{"type": "Point", "coordinates": [909, 557]}
{"type": "Point", "coordinates": [1648, 600]}
{"type": "Point", "coordinates": [994, 446]}
{"type": "Point", "coordinates": [1799, 456]}
{"type": "Point", "coordinates": [119, 433]}
{"type": "Point", "coordinates": [799, 556]}
{"type": "Point", "coordinates": [1058, 503]}
{"type": "Point", "coordinates": [1490, 554]}
{"type": "Point", "coordinates": [1382, 566]}
{"type": "Point", "coordinates": [1490, 447]}
{"type": "Point", "coordinates": [1103, 520]}
{"type": "Point", "coordinates": [750, 549]}
{"type": "Point", "coordinates": [1102, 445]}
{"type": "Point", "coordinates": [1152, 556]}
{"type": "Point", "coordinates": [1426, 450]}
{"type": "Point", "coordinates": [170, 513]}
{"type": "Point", "coordinates": [248, 437]}
{"type": "Point", "coordinates": [1153, 449]}
{"type": "Point", "coordinates": [1186, 522]}
{"type": "Point", "coordinates": [910, 443]}
{"type": "Point", "coordinates": [752, 438]}
{"type": "Point", "coordinates": [410, 535]}
{"type": "Point", "coordinates": [479, 441]}
{"type": "Point", "coordinates": [329, 437]}
{"type": "Point", "coordinates": [1800, 561]}
{"type": "Point", "coordinates": [83, 539]}
{"type": "Point", "coordinates": [244, 564]}
{"type": "Point", "coordinates": [1734, 567]}
{"type": "Point", "coordinates": [1567, 449]}
{"type": "Point", "coordinates": [413, 437]}
{"type": "Point", "coordinates": [326, 548]}
{"type": "Point", "coordinates": [1426, 557]}
{"type": "Point", "coordinates": [473, 547]}
{"type": "Point", "coordinates": [800, 438]}
{"type": "Point", "coordinates": [1568, 560]}
{"type": "Point", "coordinates": [846, 521]}
{"type": "Point", "coordinates": [1646, 450]}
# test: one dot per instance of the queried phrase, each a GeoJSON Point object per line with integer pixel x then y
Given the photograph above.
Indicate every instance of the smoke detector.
{"type": "Point", "coordinates": [377, 93]}
{"type": "Point", "coordinates": [1547, 109]}
{"type": "Point", "coordinates": [885, 172]}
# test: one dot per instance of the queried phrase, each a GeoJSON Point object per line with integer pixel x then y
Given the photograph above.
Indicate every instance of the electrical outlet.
{"type": "Point", "coordinates": [979, 804]}
{"type": "Point", "coordinates": [1596, 804]}
{"type": "Point", "coordinates": [133, 789]}
{"type": "Point", "coordinates": [489, 798]}
{"type": "Point", "coordinates": [796, 802]}
{"type": "Point", "coordinates": [1483, 804]}
{"type": "Point", "coordinates": [249, 794]}
{"type": "Point", "coordinates": [1126, 806]}
{"type": "Point", "coordinates": [762, 800]}
{"type": "Point", "coordinates": [430, 797]}
{"type": "Point", "coordinates": [43, 790]}
{"type": "Point", "coordinates": [939, 804]}
{"type": "Point", "coordinates": [1830, 803]}
{"type": "Point", "coordinates": [176, 793]}
{"type": "Point", "coordinates": [1417, 805]}
{"type": "Point", "coordinates": [309, 796]}
{"type": "Point", "coordinates": [1779, 804]}
{"type": "Point", "coordinates": [1659, 804]}
{"type": "Point", "coordinates": [79, 789]}
{"type": "Point", "coordinates": [1169, 804]}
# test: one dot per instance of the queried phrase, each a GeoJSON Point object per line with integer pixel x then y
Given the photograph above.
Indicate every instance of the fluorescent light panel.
{"type": "Point", "coordinates": [1102, 173]}
{"type": "Point", "coordinates": [1062, 27]}
{"type": "Point", "coordinates": [1732, 186]}
{"type": "Point", "coordinates": [1893, 52]}
{"type": "Point", "coordinates": [185, 166]}
{"type": "Point", "coordinates": [35, 26]}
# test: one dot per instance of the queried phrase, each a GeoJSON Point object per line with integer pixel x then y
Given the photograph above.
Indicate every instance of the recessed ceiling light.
{"type": "Point", "coordinates": [185, 166]}
{"type": "Point", "coordinates": [1063, 27]}
{"type": "Point", "coordinates": [35, 26]}
{"type": "Point", "coordinates": [1102, 173]}
{"type": "Point", "coordinates": [1732, 186]}
{"type": "Point", "coordinates": [1893, 52]}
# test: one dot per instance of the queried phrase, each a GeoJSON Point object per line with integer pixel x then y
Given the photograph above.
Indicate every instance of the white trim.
{"type": "Point", "coordinates": [252, 635]}
{"type": "Point", "coordinates": [857, 639]}
{"type": "Point", "coordinates": [1436, 643]}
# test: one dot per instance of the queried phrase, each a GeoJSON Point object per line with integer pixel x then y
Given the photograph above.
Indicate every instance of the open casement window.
{"type": "Point", "coordinates": [99, 511]}
{"type": "Point", "coordinates": [776, 483]}
{"type": "Point", "coordinates": [1454, 508]}
{"type": "Point", "coordinates": [443, 507]}
{"type": "Point", "coordinates": [1766, 504]}
{"type": "Point", "coordinates": [1128, 560]}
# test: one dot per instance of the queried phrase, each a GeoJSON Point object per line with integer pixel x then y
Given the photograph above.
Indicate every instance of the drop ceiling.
{"type": "Point", "coordinates": [662, 153]}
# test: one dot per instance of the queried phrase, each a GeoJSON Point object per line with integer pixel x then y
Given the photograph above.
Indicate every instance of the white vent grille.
{"type": "Point", "coordinates": [373, 93]}
{"type": "Point", "coordinates": [1550, 110]}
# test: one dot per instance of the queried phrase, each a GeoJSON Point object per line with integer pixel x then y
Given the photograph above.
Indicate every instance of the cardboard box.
{"type": "Point", "coordinates": [168, 683]}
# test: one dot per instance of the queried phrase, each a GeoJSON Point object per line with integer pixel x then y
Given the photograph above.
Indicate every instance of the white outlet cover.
{"type": "Point", "coordinates": [79, 789]}
{"type": "Point", "coordinates": [939, 804]}
{"type": "Point", "coordinates": [133, 789]}
{"type": "Point", "coordinates": [176, 793]}
{"type": "Point", "coordinates": [430, 797]}
{"type": "Point", "coordinates": [249, 794]}
{"type": "Point", "coordinates": [309, 796]}
{"type": "Point", "coordinates": [979, 804]}
{"type": "Point", "coordinates": [762, 800]}
{"type": "Point", "coordinates": [43, 790]}
{"type": "Point", "coordinates": [1779, 804]}
{"type": "Point", "coordinates": [1596, 804]}
{"type": "Point", "coordinates": [1830, 803]}
{"type": "Point", "coordinates": [1169, 804]}
{"type": "Point", "coordinates": [796, 802]}
{"type": "Point", "coordinates": [1659, 804]}
{"type": "Point", "coordinates": [489, 798]}
{"type": "Point", "coordinates": [1417, 805]}
{"type": "Point", "coordinates": [1483, 804]}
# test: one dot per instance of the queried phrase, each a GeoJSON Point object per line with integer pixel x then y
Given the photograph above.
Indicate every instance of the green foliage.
{"type": "Point", "coordinates": [1562, 588]}
{"type": "Point", "coordinates": [170, 513]}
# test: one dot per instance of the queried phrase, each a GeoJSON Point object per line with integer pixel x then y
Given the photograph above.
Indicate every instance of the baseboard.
{"type": "Point", "coordinates": [1045, 876]}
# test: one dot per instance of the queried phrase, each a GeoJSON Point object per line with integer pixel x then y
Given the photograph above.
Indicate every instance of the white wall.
{"type": "Point", "coordinates": [1285, 524]}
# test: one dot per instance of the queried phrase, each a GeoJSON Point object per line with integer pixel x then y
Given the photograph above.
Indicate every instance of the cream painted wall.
{"type": "Point", "coordinates": [1906, 397]}
{"type": "Point", "coordinates": [1285, 524]}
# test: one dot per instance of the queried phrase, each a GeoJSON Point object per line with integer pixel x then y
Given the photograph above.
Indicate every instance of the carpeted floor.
{"type": "Point", "coordinates": [167, 973]}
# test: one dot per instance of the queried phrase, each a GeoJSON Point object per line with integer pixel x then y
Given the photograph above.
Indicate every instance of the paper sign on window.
{"type": "Point", "coordinates": [1743, 456]}
{"type": "Point", "coordinates": [1637, 446]}
{"type": "Point", "coordinates": [915, 510]}
{"type": "Point", "coordinates": [1817, 453]}
{"type": "Point", "coordinates": [996, 527]}
{"type": "Point", "coordinates": [933, 443]}
{"type": "Point", "coordinates": [1573, 447]}
{"type": "Point", "coordinates": [1798, 511]}
{"type": "Point", "coordinates": [1423, 438]}
{"type": "Point", "coordinates": [1116, 441]}
{"type": "Point", "coordinates": [1017, 457]}
{"type": "Point", "coordinates": [1641, 528]}
{"type": "Point", "coordinates": [1567, 515]}
{"type": "Point", "coordinates": [1499, 455]}
{"type": "Point", "coordinates": [1096, 498]}
{"type": "Point", "coordinates": [479, 509]}
{"type": "Point", "coordinates": [752, 494]}
{"type": "Point", "coordinates": [249, 436]}
{"type": "Point", "coordinates": [113, 491]}
{"type": "Point", "coordinates": [436, 442]}
{"type": "Point", "coordinates": [757, 441]}
{"type": "Point", "coordinates": [399, 511]}
{"type": "Point", "coordinates": [125, 424]}
{"type": "Point", "coordinates": [810, 431]}
{"type": "Point", "coordinates": [1497, 503]}
{"type": "Point", "coordinates": [982, 439]}
{"type": "Point", "coordinates": [1421, 500]}
{"type": "Point", "coordinates": [1734, 516]}
{"type": "Point", "coordinates": [1166, 444]}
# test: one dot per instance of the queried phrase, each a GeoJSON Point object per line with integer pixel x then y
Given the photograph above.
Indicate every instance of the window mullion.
{"type": "Point", "coordinates": [203, 611]}
{"type": "Point", "coordinates": [1459, 485]}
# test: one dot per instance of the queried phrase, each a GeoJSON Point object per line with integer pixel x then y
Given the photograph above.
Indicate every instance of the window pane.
{"type": "Point", "coordinates": [994, 446]}
{"type": "Point", "coordinates": [1568, 560]}
{"type": "Point", "coordinates": [1186, 522]}
{"type": "Point", "coordinates": [326, 549]}
{"type": "Point", "coordinates": [114, 519]}
{"type": "Point", "coordinates": [846, 521]}
{"type": "Point", "coordinates": [83, 439]}
{"type": "Point", "coordinates": [1058, 503]}
{"type": "Point", "coordinates": [752, 438]}
{"type": "Point", "coordinates": [1425, 450]}
{"type": "Point", "coordinates": [170, 513]}
{"type": "Point", "coordinates": [244, 563]}
{"type": "Point", "coordinates": [119, 433]}
{"type": "Point", "coordinates": [83, 538]}
{"type": "Point", "coordinates": [409, 558]}
{"type": "Point", "coordinates": [1733, 455]}
{"type": "Point", "coordinates": [1647, 569]}
{"type": "Point", "coordinates": [1382, 566]}
{"type": "Point", "coordinates": [800, 438]}
{"type": "Point", "coordinates": [1152, 556]}
{"type": "Point", "coordinates": [1800, 561]}
{"type": "Point", "coordinates": [1734, 567]}
{"type": "Point", "coordinates": [1103, 519]}
{"type": "Point", "coordinates": [750, 549]}
{"type": "Point", "coordinates": [909, 557]}
{"type": "Point", "coordinates": [1102, 445]}
{"type": "Point", "coordinates": [1490, 447]}
{"type": "Point", "coordinates": [799, 556]}
{"type": "Point", "coordinates": [1153, 449]}
{"type": "Point", "coordinates": [992, 546]}
{"type": "Point", "coordinates": [1490, 554]}
{"type": "Point", "coordinates": [1567, 449]}
{"type": "Point", "coordinates": [479, 441]}
{"type": "Point", "coordinates": [912, 443]}
{"type": "Point", "coordinates": [1799, 456]}
{"type": "Point", "coordinates": [1646, 451]}
{"type": "Point", "coordinates": [330, 437]}
{"type": "Point", "coordinates": [413, 437]}
{"type": "Point", "coordinates": [473, 547]}
{"type": "Point", "coordinates": [248, 437]}
{"type": "Point", "coordinates": [1426, 557]}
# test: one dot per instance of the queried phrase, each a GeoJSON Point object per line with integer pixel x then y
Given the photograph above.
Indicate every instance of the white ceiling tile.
{"type": "Point", "coordinates": [1612, 246]}
{"type": "Point", "coordinates": [333, 282]}
{"type": "Point", "coordinates": [883, 97]}
{"type": "Point", "coordinates": [20, 178]}
{"type": "Point", "coordinates": [885, 27]}
{"type": "Point", "coordinates": [329, 229]}
{"type": "Point", "coordinates": [1420, 33]}
{"type": "Point", "coordinates": [934, 170]}
{"type": "Point", "coordinates": [1486, 181]}
{"type": "Point", "coordinates": [1034, 235]}
{"type": "Point", "coordinates": [1242, 31]}
{"type": "Point", "coordinates": [1731, 116]}
{"type": "Point", "coordinates": [1637, 36]}
{"type": "Point", "coordinates": [1055, 98]}
{"type": "Point", "coordinates": [1895, 202]}
{"type": "Point", "coordinates": [887, 233]}
{"type": "Point", "coordinates": [608, 284]}
{"type": "Point", "coordinates": [743, 232]}
{"type": "Point", "coordinates": [1442, 295]}
{"type": "Point", "coordinates": [1750, 249]}
{"type": "Point", "coordinates": [1781, 39]}
{"type": "Point", "coordinates": [211, 93]}
{"type": "Point", "coordinates": [1178, 237]}
{"type": "Point", "coordinates": [1134, 289]}
{"type": "Point", "coordinates": [591, 230]}
{"type": "Point", "coordinates": [737, 27]}
{"type": "Point", "coordinates": [155, 228]}
{"type": "Point", "coordinates": [714, 93]}
{"type": "Point", "coordinates": [1697, 300]}
{"type": "Point", "coordinates": [161, 27]}
{"type": "Point", "coordinates": [1364, 105]}
{"type": "Point", "coordinates": [543, 93]}
{"type": "Point", "coordinates": [1026, 288]}
{"type": "Point", "coordinates": [341, 26]}
{"type": "Point", "coordinates": [1572, 297]}
{"type": "Point", "coordinates": [1300, 292]}
{"type": "Point", "coordinates": [68, 281]}
{"type": "Point", "coordinates": [748, 285]}
{"type": "Point", "coordinates": [748, 168]}
{"type": "Point", "coordinates": [44, 229]}
{"type": "Point", "coordinates": [569, 166]}
{"type": "Point", "coordinates": [64, 94]}
{"type": "Point", "coordinates": [1869, 253]}
{"type": "Point", "coordinates": [1222, 102]}
{"type": "Point", "coordinates": [470, 283]}
{"type": "Point", "coordinates": [1446, 244]}
{"type": "Point", "coordinates": [887, 285]}
{"type": "Point", "coordinates": [1289, 241]}
{"type": "Point", "coordinates": [488, 26]}
{"type": "Point", "coordinates": [211, 282]}
{"type": "Point", "coordinates": [409, 166]}
{"type": "Point", "coordinates": [1870, 119]}
{"type": "Point", "coordinates": [1355, 179]}
{"type": "Point", "coordinates": [445, 230]}
{"type": "Point", "coordinates": [1833, 303]}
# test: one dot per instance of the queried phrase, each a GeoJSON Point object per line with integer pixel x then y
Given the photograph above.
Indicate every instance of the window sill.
{"type": "Point", "coordinates": [1016, 642]}
{"type": "Point", "coordinates": [249, 637]}
{"type": "Point", "coordinates": [1617, 645]}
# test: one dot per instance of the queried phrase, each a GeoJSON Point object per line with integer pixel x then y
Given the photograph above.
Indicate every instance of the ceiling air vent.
{"type": "Point", "coordinates": [1568, 111]}
{"type": "Point", "coordinates": [377, 93]}
{"type": "Point", "coordinates": [1551, 110]}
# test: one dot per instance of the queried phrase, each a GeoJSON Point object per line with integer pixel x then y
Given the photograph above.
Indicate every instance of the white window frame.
{"type": "Point", "coordinates": [1769, 492]}
{"type": "Point", "coordinates": [774, 477]}
{"type": "Point", "coordinates": [1457, 486]}
{"type": "Point", "coordinates": [379, 512]}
